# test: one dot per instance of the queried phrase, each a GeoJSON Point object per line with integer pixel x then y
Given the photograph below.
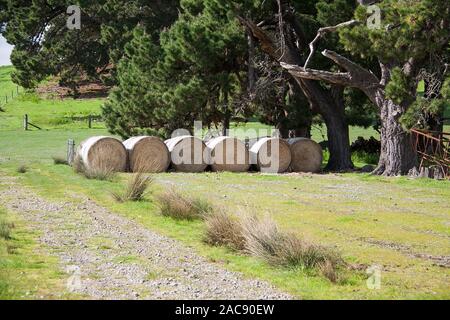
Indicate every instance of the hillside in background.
{"type": "Point", "coordinates": [45, 111]}
{"type": "Point", "coordinates": [6, 85]}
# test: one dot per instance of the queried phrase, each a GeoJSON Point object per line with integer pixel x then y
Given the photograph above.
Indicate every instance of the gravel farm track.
{"type": "Point", "coordinates": [107, 256]}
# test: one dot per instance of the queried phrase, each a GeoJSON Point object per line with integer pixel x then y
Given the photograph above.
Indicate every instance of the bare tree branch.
{"type": "Point", "coordinates": [360, 75]}
{"type": "Point", "coordinates": [340, 78]}
{"type": "Point", "coordinates": [266, 43]}
{"type": "Point", "coordinates": [356, 76]}
{"type": "Point", "coordinates": [321, 32]}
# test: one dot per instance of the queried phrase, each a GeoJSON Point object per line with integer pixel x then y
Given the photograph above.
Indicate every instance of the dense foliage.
{"type": "Point", "coordinates": [172, 62]}
{"type": "Point", "coordinates": [44, 46]}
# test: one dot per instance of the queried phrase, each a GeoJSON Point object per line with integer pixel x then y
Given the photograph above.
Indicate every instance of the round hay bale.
{"type": "Point", "coordinates": [103, 153]}
{"type": "Point", "coordinates": [307, 155]}
{"type": "Point", "coordinates": [271, 155]}
{"type": "Point", "coordinates": [147, 154]}
{"type": "Point", "coordinates": [188, 154]}
{"type": "Point", "coordinates": [228, 154]}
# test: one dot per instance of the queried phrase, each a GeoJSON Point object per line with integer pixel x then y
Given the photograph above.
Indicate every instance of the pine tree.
{"type": "Point", "coordinates": [198, 75]}
{"type": "Point", "coordinates": [44, 46]}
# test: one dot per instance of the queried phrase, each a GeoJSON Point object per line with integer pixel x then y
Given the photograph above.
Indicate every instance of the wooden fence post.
{"type": "Point", "coordinates": [25, 122]}
{"type": "Point", "coordinates": [70, 151]}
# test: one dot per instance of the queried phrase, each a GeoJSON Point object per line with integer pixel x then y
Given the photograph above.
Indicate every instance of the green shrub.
{"type": "Point", "coordinates": [29, 96]}
{"type": "Point", "coordinates": [364, 157]}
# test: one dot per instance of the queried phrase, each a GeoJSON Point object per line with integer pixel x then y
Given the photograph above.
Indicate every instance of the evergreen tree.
{"type": "Point", "coordinates": [44, 46]}
{"type": "Point", "coordinates": [199, 74]}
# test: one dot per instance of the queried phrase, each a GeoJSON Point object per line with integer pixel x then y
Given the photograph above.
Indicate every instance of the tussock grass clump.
{"type": "Point", "coordinates": [60, 161]}
{"type": "Point", "coordinates": [264, 240]}
{"type": "Point", "coordinates": [100, 173]}
{"type": "Point", "coordinates": [5, 229]}
{"type": "Point", "coordinates": [22, 169]}
{"type": "Point", "coordinates": [178, 206]}
{"type": "Point", "coordinates": [222, 229]}
{"type": "Point", "coordinates": [78, 165]}
{"type": "Point", "coordinates": [136, 189]}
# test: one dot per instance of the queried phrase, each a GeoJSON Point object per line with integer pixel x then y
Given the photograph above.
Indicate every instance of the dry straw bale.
{"type": "Point", "coordinates": [228, 154]}
{"type": "Point", "coordinates": [307, 155]}
{"type": "Point", "coordinates": [103, 153]}
{"type": "Point", "coordinates": [147, 154]}
{"type": "Point", "coordinates": [188, 154]}
{"type": "Point", "coordinates": [271, 155]}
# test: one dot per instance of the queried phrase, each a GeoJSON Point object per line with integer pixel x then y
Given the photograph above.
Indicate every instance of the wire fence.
{"type": "Point", "coordinates": [9, 96]}
{"type": "Point", "coordinates": [86, 121]}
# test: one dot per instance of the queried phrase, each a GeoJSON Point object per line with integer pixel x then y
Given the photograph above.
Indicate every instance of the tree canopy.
{"type": "Point", "coordinates": [219, 60]}
{"type": "Point", "coordinates": [44, 46]}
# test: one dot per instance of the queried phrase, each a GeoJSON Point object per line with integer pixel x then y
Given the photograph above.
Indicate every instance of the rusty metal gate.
{"type": "Point", "coordinates": [433, 149]}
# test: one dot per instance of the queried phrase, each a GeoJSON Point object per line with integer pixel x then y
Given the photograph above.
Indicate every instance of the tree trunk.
{"type": "Point", "coordinates": [226, 120]}
{"type": "Point", "coordinates": [226, 125]}
{"type": "Point", "coordinates": [338, 143]}
{"type": "Point", "coordinates": [330, 104]}
{"type": "Point", "coordinates": [397, 152]}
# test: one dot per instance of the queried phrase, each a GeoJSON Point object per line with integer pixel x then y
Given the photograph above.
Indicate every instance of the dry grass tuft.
{"type": "Point", "coordinates": [174, 204]}
{"type": "Point", "coordinates": [264, 240]}
{"type": "Point", "coordinates": [329, 271]}
{"type": "Point", "coordinates": [22, 169]}
{"type": "Point", "coordinates": [103, 174]}
{"type": "Point", "coordinates": [78, 165]}
{"type": "Point", "coordinates": [5, 229]}
{"type": "Point", "coordinates": [60, 161]}
{"type": "Point", "coordinates": [222, 229]}
{"type": "Point", "coordinates": [136, 189]}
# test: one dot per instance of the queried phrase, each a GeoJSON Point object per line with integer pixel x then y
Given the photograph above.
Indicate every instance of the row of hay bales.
{"type": "Point", "coordinates": [190, 154]}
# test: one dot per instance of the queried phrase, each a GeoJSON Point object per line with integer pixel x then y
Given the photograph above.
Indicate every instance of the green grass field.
{"type": "Point", "coordinates": [6, 85]}
{"type": "Point", "coordinates": [403, 225]}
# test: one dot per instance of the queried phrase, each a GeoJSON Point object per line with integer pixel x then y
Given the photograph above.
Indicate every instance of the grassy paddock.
{"type": "Point", "coordinates": [6, 85]}
{"type": "Point", "coordinates": [401, 224]}
{"type": "Point", "coordinates": [370, 220]}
